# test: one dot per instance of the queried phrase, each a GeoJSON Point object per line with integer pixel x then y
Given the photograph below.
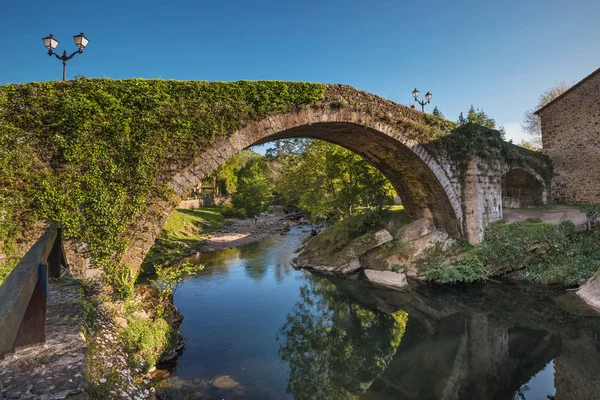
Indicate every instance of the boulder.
{"type": "Point", "coordinates": [590, 292]}
{"type": "Point", "coordinates": [412, 243]}
{"type": "Point", "coordinates": [385, 259]}
{"type": "Point", "coordinates": [415, 230]}
{"type": "Point", "coordinates": [388, 279]}
{"type": "Point", "coordinates": [346, 261]}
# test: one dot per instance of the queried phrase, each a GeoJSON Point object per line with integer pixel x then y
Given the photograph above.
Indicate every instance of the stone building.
{"type": "Point", "coordinates": [571, 137]}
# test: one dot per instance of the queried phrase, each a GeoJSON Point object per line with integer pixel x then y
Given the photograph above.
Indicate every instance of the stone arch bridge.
{"type": "Point", "coordinates": [461, 177]}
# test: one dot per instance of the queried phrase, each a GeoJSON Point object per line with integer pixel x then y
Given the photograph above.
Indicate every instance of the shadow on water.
{"type": "Point", "coordinates": [267, 331]}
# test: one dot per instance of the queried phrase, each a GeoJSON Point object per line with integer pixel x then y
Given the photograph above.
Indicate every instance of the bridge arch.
{"type": "Point", "coordinates": [522, 187]}
{"type": "Point", "coordinates": [421, 182]}
{"type": "Point", "coordinates": [426, 186]}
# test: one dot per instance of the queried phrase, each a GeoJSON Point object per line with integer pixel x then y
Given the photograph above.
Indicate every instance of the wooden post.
{"type": "Point", "coordinates": [33, 325]}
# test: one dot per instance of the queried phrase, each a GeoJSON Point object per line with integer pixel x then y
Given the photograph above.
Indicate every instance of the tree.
{"type": "Point", "coordinates": [226, 175]}
{"type": "Point", "coordinates": [479, 117]}
{"type": "Point", "coordinates": [329, 181]}
{"type": "Point", "coordinates": [531, 122]}
{"type": "Point", "coordinates": [527, 145]}
{"type": "Point", "coordinates": [437, 112]}
{"type": "Point", "coordinates": [254, 188]}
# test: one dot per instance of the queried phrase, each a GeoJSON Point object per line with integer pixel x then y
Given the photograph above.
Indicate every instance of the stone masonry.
{"type": "Point", "coordinates": [571, 137]}
{"type": "Point", "coordinates": [54, 369]}
{"type": "Point", "coordinates": [389, 136]}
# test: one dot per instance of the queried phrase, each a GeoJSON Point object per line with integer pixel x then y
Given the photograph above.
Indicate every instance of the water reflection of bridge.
{"type": "Point", "coordinates": [484, 343]}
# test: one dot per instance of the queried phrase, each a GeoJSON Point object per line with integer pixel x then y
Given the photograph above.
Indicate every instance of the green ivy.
{"type": "Point", "coordinates": [469, 140]}
{"type": "Point", "coordinates": [93, 154]}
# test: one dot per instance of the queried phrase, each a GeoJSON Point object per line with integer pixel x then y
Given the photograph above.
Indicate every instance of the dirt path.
{"type": "Point", "coordinates": [244, 231]}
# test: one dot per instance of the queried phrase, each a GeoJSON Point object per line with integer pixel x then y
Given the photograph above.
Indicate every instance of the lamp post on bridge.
{"type": "Point", "coordinates": [51, 43]}
{"type": "Point", "coordinates": [428, 97]}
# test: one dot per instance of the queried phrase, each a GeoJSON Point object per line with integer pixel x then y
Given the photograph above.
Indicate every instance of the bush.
{"type": "Point", "coordinates": [146, 340]}
{"type": "Point", "coordinates": [544, 253]}
{"type": "Point", "coordinates": [231, 212]}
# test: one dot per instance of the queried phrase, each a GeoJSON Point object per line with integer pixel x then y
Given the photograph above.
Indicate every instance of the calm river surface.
{"type": "Point", "coordinates": [255, 328]}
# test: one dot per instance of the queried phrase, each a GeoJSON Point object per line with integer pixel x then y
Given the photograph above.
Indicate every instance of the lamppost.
{"type": "Point", "coordinates": [51, 43]}
{"type": "Point", "coordinates": [428, 97]}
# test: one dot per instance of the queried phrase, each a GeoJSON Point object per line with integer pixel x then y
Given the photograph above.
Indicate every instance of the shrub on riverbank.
{"type": "Point", "coordinates": [544, 253]}
{"type": "Point", "coordinates": [344, 231]}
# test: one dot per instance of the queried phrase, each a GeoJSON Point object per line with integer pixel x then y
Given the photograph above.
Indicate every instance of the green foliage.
{"type": "Point", "coordinates": [145, 340]}
{"type": "Point", "coordinates": [254, 188]}
{"type": "Point", "coordinates": [118, 275]}
{"type": "Point", "coordinates": [183, 229]}
{"type": "Point", "coordinates": [527, 145]}
{"type": "Point", "coordinates": [478, 117]}
{"type": "Point", "coordinates": [547, 254]}
{"type": "Point", "coordinates": [228, 172]}
{"type": "Point", "coordinates": [329, 181]}
{"type": "Point", "coordinates": [93, 154]}
{"type": "Point", "coordinates": [340, 234]}
{"type": "Point", "coordinates": [471, 140]}
{"type": "Point", "coordinates": [169, 277]}
{"type": "Point", "coordinates": [5, 269]}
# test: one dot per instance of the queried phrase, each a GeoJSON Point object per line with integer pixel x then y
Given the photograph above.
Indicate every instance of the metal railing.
{"type": "Point", "coordinates": [24, 293]}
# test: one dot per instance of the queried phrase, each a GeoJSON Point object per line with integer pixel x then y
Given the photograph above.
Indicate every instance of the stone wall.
{"type": "Point", "coordinates": [520, 189]}
{"type": "Point", "coordinates": [482, 197]}
{"type": "Point", "coordinates": [204, 201]}
{"type": "Point", "coordinates": [571, 137]}
{"type": "Point", "coordinates": [394, 139]}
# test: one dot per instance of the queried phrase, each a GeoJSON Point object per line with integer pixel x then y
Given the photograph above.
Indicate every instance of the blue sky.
{"type": "Point", "coordinates": [496, 55]}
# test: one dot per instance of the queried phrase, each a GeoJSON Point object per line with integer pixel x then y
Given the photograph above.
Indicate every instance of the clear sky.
{"type": "Point", "coordinates": [496, 55]}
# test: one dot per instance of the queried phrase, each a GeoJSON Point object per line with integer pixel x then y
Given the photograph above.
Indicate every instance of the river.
{"type": "Point", "coordinates": [255, 328]}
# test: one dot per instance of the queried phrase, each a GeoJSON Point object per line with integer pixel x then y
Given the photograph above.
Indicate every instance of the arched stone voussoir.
{"type": "Point", "coordinates": [382, 144]}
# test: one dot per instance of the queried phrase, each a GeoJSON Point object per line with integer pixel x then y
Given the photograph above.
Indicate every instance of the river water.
{"type": "Point", "coordinates": [255, 328]}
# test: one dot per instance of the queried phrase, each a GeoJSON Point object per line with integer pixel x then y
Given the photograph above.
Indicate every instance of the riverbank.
{"type": "Point", "coordinates": [129, 338]}
{"type": "Point", "coordinates": [190, 232]}
{"type": "Point", "coordinates": [244, 231]}
{"type": "Point", "coordinates": [549, 250]}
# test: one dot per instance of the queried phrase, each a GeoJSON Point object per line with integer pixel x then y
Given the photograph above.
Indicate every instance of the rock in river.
{"type": "Point", "coordinates": [388, 279]}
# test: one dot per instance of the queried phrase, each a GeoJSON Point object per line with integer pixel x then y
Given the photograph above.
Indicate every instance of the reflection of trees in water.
{"type": "Point", "coordinates": [256, 271]}
{"type": "Point", "coordinates": [334, 347]}
{"type": "Point", "coordinates": [261, 255]}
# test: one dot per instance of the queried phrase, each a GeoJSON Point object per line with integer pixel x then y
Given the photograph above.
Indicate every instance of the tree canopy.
{"type": "Point", "coordinates": [479, 117]}
{"type": "Point", "coordinates": [329, 181]}
{"type": "Point", "coordinates": [531, 121]}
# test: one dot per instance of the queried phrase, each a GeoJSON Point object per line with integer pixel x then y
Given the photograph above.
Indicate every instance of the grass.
{"type": "Point", "coordinates": [543, 253]}
{"type": "Point", "coordinates": [190, 225]}
{"type": "Point", "coordinates": [5, 269]}
{"type": "Point", "coordinates": [344, 231]}
{"type": "Point", "coordinates": [145, 340]}
{"type": "Point", "coordinates": [183, 230]}
{"type": "Point", "coordinates": [335, 238]}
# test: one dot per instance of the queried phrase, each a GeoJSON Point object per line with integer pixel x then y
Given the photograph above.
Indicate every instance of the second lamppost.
{"type": "Point", "coordinates": [427, 100]}
{"type": "Point", "coordinates": [51, 43]}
